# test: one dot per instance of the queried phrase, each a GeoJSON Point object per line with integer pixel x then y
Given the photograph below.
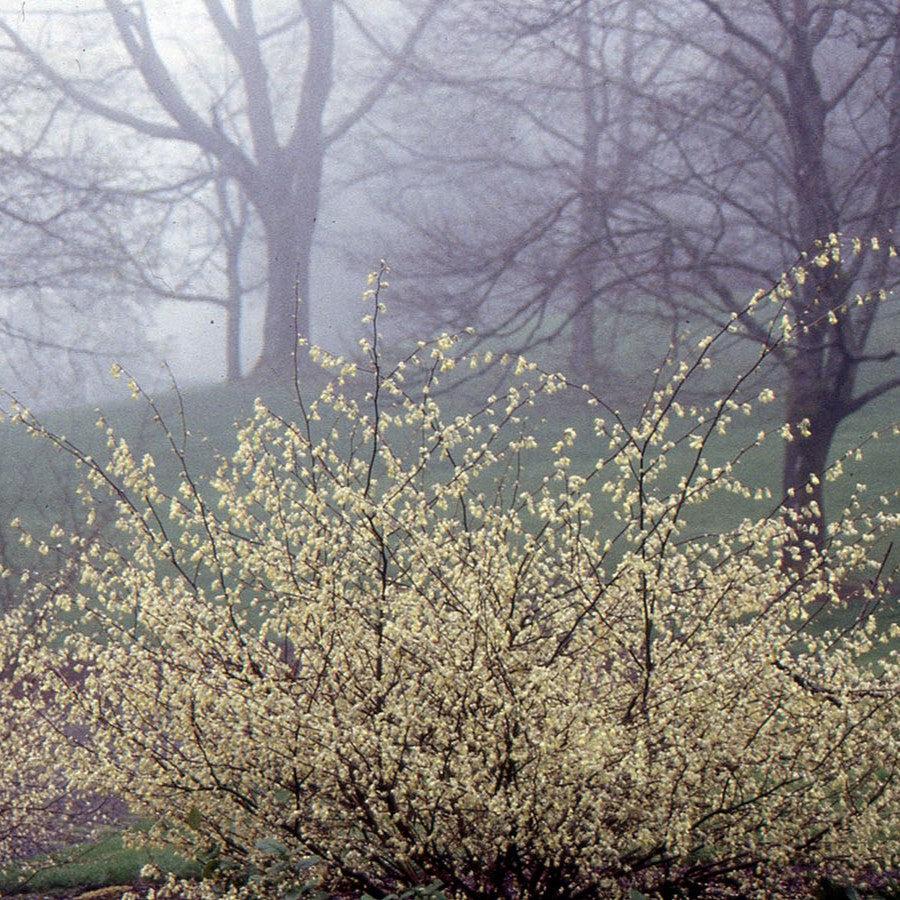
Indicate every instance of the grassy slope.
{"type": "Point", "coordinates": [37, 482]}
{"type": "Point", "coordinates": [212, 411]}
{"type": "Point", "coordinates": [101, 863]}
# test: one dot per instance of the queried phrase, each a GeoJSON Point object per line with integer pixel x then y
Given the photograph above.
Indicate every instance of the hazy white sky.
{"type": "Point", "coordinates": [191, 47]}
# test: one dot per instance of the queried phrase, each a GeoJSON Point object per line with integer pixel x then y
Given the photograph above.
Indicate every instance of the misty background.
{"type": "Point", "coordinates": [584, 180]}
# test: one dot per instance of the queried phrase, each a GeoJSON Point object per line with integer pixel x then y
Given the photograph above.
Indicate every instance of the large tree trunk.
{"type": "Point", "coordinates": [583, 350]}
{"type": "Point", "coordinates": [233, 343]}
{"type": "Point", "coordinates": [818, 374]}
{"type": "Point", "coordinates": [233, 326]}
{"type": "Point", "coordinates": [582, 353]}
{"type": "Point", "coordinates": [288, 205]}
{"type": "Point", "coordinates": [813, 424]}
{"type": "Point", "coordinates": [234, 312]}
{"type": "Point", "coordinates": [288, 259]}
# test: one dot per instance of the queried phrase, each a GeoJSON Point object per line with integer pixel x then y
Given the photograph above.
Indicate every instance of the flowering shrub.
{"type": "Point", "coordinates": [420, 647]}
{"type": "Point", "coordinates": [39, 810]}
{"type": "Point", "coordinates": [29, 793]}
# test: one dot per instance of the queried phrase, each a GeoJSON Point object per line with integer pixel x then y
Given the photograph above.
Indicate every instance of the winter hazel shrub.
{"type": "Point", "coordinates": [483, 648]}
{"type": "Point", "coordinates": [38, 809]}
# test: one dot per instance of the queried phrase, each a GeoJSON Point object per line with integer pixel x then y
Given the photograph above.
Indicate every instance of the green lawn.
{"type": "Point", "coordinates": [96, 864]}
{"type": "Point", "coordinates": [37, 482]}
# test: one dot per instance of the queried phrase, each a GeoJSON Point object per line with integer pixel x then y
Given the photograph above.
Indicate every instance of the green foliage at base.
{"type": "Point", "coordinates": [97, 864]}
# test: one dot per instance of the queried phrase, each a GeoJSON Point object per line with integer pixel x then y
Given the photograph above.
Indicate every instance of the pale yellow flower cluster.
{"type": "Point", "coordinates": [377, 638]}
{"type": "Point", "coordinates": [39, 809]}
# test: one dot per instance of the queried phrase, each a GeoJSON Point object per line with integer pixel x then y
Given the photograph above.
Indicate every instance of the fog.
{"type": "Point", "coordinates": [197, 184]}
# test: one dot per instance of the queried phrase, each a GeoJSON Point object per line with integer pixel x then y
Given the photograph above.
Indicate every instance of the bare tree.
{"type": "Point", "coordinates": [783, 128]}
{"type": "Point", "coordinates": [204, 230]}
{"type": "Point", "coordinates": [687, 152]}
{"type": "Point", "coordinates": [519, 197]}
{"type": "Point", "coordinates": [267, 137]}
{"type": "Point", "coordinates": [65, 309]}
